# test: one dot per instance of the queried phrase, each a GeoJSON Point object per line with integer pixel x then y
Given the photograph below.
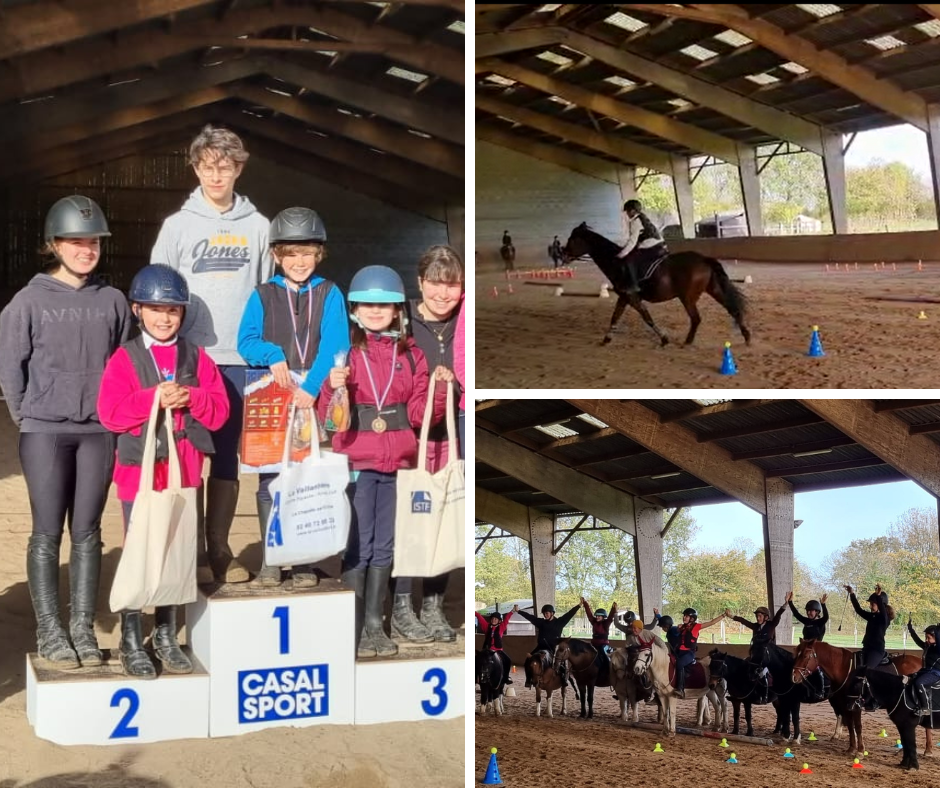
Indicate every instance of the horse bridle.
{"type": "Point", "coordinates": [805, 673]}
{"type": "Point", "coordinates": [648, 652]}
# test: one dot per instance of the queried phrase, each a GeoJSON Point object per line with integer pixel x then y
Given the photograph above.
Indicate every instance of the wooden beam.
{"type": "Point", "coordinates": [611, 456]}
{"type": "Point", "coordinates": [668, 524]}
{"type": "Point", "coordinates": [781, 125]}
{"type": "Point", "coordinates": [806, 470]}
{"type": "Point", "coordinates": [921, 429]}
{"type": "Point", "coordinates": [29, 27]}
{"type": "Point", "coordinates": [376, 47]}
{"type": "Point", "coordinates": [575, 489]}
{"type": "Point", "coordinates": [885, 436]}
{"type": "Point", "coordinates": [444, 123]}
{"type": "Point", "coordinates": [494, 44]}
{"type": "Point", "coordinates": [681, 486]}
{"type": "Point", "coordinates": [645, 473]}
{"type": "Point", "coordinates": [879, 93]}
{"type": "Point", "coordinates": [793, 448]}
{"type": "Point", "coordinates": [431, 153]}
{"type": "Point", "coordinates": [491, 403]}
{"type": "Point", "coordinates": [570, 533]}
{"type": "Point", "coordinates": [659, 125]}
{"type": "Point", "coordinates": [628, 152]}
{"type": "Point", "coordinates": [758, 429]}
{"type": "Point", "coordinates": [576, 162]}
{"type": "Point", "coordinates": [902, 404]}
{"type": "Point", "coordinates": [501, 512]}
{"type": "Point", "coordinates": [709, 462]}
{"type": "Point", "coordinates": [719, 407]}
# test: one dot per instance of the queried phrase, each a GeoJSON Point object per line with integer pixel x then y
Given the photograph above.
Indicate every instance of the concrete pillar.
{"type": "Point", "coordinates": [456, 236]}
{"type": "Point", "coordinates": [682, 185]}
{"type": "Point", "coordinates": [626, 177]}
{"type": "Point", "coordinates": [541, 560]}
{"type": "Point", "coordinates": [778, 550]}
{"type": "Point", "coordinates": [933, 150]}
{"type": "Point", "coordinates": [834, 169]}
{"type": "Point", "coordinates": [648, 553]}
{"type": "Point", "coordinates": [750, 188]}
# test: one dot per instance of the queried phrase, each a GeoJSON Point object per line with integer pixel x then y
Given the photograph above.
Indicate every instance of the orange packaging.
{"type": "Point", "coordinates": [264, 425]}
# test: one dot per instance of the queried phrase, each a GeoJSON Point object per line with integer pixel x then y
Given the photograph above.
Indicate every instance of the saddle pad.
{"type": "Point", "coordinates": [648, 265]}
{"type": "Point", "coordinates": [695, 678]}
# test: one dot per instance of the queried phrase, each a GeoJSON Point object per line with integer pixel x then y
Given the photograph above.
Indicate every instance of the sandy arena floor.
{"type": "Point", "coordinates": [543, 752]}
{"type": "Point", "coordinates": [531, 339]}
{"type": "Point", "coordinates": [402, 755]}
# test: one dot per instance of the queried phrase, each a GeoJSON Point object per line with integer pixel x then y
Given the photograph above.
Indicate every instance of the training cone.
{"type": "Point", "coordinates": [806, 769]}
{"type": "Point", "coordinates": [495, 292]}
{"type": "Point", "coordinates": [728, 367]}
{"type": "Point", "coordinates": [922, 315]}
{"type": "Point", "coordinates": [788, 754]}
{"type": "Point", "coordinates": [510, 691]}
{"type": "Point", "coordinates": [509, 288]}
{"type": "Point", "coordinates": [658, 748]}
{"type": "Point", "coordinates": [865, 753]}
{"type": "Point", "coordinates": [815, 345]}
{"type": "Point", "coordinates": [883, 734]}
{"type": "Point", "coordinates": [899, 746]}
{"type": "Point", "coordinates": [732, 759]}
{"type": "Point", "coordinates": [492, 771]}
{"type": "Point", "coordinates": [857, 764]}
{"type": "Point", "coordinates": [724, 743]}
{"type": "Point", "coordinates": [812, 736]}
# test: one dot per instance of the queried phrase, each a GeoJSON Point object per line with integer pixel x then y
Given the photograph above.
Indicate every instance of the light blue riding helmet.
{"type": "Point", "coordinates": [376, 284]}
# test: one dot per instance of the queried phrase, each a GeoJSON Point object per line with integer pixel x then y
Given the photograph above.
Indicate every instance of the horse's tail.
{"type": "Point", "coordinates": [733, 299]}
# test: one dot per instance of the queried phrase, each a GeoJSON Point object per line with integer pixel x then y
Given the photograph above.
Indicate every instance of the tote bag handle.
{"type": "Point", "coordinates": [426, 425]}
{"type": "Point", "coordinates": [149, 457]}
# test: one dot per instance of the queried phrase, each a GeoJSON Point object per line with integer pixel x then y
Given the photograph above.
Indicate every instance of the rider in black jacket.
{"type": "Point", "coordinates": [548, 630]}
{"type": "Point", "coordinates": [816, 618]}
{"type": "Point", "coordinates": [877, 622]}
{"type": "Point", "coordinates": [929, 674]}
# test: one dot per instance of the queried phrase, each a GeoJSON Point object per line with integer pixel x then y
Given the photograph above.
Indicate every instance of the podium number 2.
{"type": "Point", "coordinates": [124, 730]}
{"type": "Point", "coordinates": [282, 613]}
{"type": "Point", "coordinates": [439, 702]}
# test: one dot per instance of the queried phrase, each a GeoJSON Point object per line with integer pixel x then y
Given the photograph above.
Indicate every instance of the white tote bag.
{"type": "Point", "coordinates": [158, 563]}
{"type": "Point", "coordinates": [429, 509]}
{"type": "Point", "coordinates": [310, 513]}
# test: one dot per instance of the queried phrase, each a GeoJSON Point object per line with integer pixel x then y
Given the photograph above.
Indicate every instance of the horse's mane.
{"type": "Point", "coordinates": [580, 647]}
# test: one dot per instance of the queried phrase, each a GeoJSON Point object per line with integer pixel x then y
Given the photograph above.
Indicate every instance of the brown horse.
{"type": "Point", "coordinates": [838, 663]}
{"type": "Point", "coordinates": [582, 660]}
{"type": "Point", "coordinates": [683, 275]}
{"type": "Point", "coordinates": [539, 666]}
{"type": "Point", "coordinates": [508, 253]}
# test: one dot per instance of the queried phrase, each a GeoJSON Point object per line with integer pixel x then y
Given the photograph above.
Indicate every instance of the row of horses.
{"type": "Point", "coordinates": [816, 672]}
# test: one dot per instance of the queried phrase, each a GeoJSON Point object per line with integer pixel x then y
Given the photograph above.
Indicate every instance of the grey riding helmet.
{"type": "Point", "coordinates": [75, 216]}
{"type": "Point", "coordinates": [297, 225]}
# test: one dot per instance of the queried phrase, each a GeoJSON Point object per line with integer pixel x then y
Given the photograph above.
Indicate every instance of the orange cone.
{"type": "Point", "coordinates": [920, 265]}
{"type": "Point", "coordinates": [509, 290]}
{"type": "Point", "coordinates": [495, 292]}
{"type": "Point", "coordinates": [894, 266]}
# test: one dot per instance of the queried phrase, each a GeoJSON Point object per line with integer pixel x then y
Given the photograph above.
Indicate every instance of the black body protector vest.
{"type": "Point", "coordinates": [931, 657]}
{"type": "Point", "coordinates": [648, 230]}
{"type": "Point", "coordinates": [279, 328]}
{"type": "Point", "coordinates": [130, 448]}
{"type": "Point", "coordinates": [492, 638]}
{"type": "Point", "coordinates": [814, 631]}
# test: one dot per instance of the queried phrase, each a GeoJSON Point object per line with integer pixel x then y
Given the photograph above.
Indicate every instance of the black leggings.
{"type": "Point", "coordinates": [67, 474]}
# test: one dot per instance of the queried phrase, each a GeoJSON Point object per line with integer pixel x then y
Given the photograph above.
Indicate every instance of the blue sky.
{"type": "Point", "coordinates": [895, 143]}
{"type": "Point", "coordinates": [831, 519]}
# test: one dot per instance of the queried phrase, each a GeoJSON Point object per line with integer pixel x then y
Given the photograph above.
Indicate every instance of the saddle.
{"type": "Point", "coordinates": [857, 663]}
{"type": "Point", "coordinates": [695, 678]}
{"type": "Point", "coordinates": [913, 701]}
{"type": "Point", "coordinates": [645, 262]}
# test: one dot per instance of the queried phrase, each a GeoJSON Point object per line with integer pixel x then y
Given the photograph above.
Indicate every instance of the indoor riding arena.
{"type": "Point", "coordinates": [552, 472]}
{"type": "Point", "coordinates": [578, 107]}
{"type": "Point", "coordinates": [353, 109]}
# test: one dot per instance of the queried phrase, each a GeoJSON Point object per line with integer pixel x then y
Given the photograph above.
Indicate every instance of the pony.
{"type": "Point", "coordinates": [628, 688]}
{"type": "Point", "coordinates": [682, 275]}
{"type": "Point", "coordinates": [545, 678]}
{"type": "Point", "coordinates": [508, 253]}
{"type": "Point", "coordinates": [582, 660]}
{"type": "Point", "coordinates": [491, 677]}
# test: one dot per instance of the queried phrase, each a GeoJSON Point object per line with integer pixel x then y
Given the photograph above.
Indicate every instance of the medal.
{"type": "Point", "coordinates": [379, 425]}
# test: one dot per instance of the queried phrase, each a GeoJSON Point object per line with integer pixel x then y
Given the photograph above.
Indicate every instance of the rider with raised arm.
{"type": "Point", "coordinates": [764, 630]}
{"type": "Point", "coordinates": [643, 242]}
{"type": "Point", "coordinates": [600, 633]}
{"type": "Point", "coordinates": [929, 674]}
{"type": "Point", "coordinates": [688, 639]}
{"type": "Point", "coordinates": [494, 629]}
{"type": "Point", "coordinates": [548, 630]}
{"type": "Point", "coordinates": [816, 618]}
{"type": "Point", "coordinates": [877, 621]}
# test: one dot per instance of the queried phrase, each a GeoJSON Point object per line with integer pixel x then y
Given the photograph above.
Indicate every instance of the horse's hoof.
{"type": "Point", "coordinates": [606, 340]}
{"type": "Point", "coordinates": [663, 342]}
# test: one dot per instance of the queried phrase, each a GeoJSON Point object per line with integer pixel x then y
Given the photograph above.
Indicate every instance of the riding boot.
{"type": "Point", "coordinates": [204, 574]}
{"type": "Point", "coordinates": [528, 675]}
{"type": "Point", "coordinates": [633, 286]}
{"type": "Point", "coordinates": [268, 576]}
{"type": "Point", "coordinates": [165, 643]}
{"type": "Point", "coordinates": [376, 590]}
{"type": "Point", "coordinates": [404, 622]}
{"type": "Point", "coordinates": [356, 580]}
{"type": "Point", "coordinates": [923, 691]}
{"type": "Point", "coordinates": [134, 660]}
{"type": "Point", "coordinates": [84, 573]}
{"type": "Point", "coordinates": [42, 572]}
{"type": "Point", "coordinates": [221, 499]}
{"type": "Point", "coordinates": [679, 689]}
{"type": "Point", "coordinates": [432, 616]}
{"type": "Point", "coordinates": [304, 576]}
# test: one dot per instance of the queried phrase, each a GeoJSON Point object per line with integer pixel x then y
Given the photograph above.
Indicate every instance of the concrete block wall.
{"type": "Point", "coordinates": [535, 200]}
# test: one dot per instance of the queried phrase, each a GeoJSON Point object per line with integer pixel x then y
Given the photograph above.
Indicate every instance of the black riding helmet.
{"type": "Point", "coordinates": [931, 630]}
{"type": "Point", "coordinates": [629, 617]}
{"type": "Point", "coordinates": [548, 609]}
{"type": "Point", "coordinates": [814, 604]}
{"type": "Point", "coordinates": [297, 225]}
{"type": "Point", "coordinates": [600, 612]}
{"type": "Point", "coordinates": [691, 612]}
{"type": "Point", "coordinates": [881, 599]}
{"type": "Point", "coordinates": [633, 205]}
{"type": "Point", "coordinates": [497, 616]}
{"type": "Point", "coordinates": [665, 622]}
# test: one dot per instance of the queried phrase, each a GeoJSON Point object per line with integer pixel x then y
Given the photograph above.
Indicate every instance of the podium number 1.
{"type": "Point", "coordinates": [282, 613]}
{"type": "Point", "coordinates": [437, 706]}
{"type": "Point", "coordinates": [124, 730]}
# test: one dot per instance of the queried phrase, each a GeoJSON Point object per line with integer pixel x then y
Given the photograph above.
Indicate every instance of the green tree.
{"type": "Point", "coordinates": [501, 571]}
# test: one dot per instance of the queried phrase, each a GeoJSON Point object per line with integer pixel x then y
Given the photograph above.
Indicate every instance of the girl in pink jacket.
{"type": "Point", "coordinates": [192, 393]}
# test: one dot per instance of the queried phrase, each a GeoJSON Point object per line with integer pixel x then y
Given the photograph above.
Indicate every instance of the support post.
{"type": "Point", "coordinates": [541, 559]}
{"type": "Point", "coordinates": [834, 169]}
{"type": "Point", "coordinates": [933, 150]}
{"type": "Point", "coordinates": [682, 186]}
{"type": "Point", "coordinates": [778, 551]}
{"type": "Point", "coordinates": [626, 177]}
{"type": "Point", "coordinates": [750, 188]}
{"type": "Point", "coordinates": [648, 553]}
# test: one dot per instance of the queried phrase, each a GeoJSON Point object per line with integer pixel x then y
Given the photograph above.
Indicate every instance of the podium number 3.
{"type": "Point", "coordinates": [437, 705]}
{"type": "Point", "coordinates": [124, 729]}
{"type": "Point", "coordinates": [282, 613]}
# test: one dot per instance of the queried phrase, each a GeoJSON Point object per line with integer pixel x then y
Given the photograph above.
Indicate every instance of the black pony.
{"type": "Point", "coordinates": [742, 689]}
{"type": "Point", "coordinates": [682, 275]}
{"type": "Point", "coordinates": [491, 676]}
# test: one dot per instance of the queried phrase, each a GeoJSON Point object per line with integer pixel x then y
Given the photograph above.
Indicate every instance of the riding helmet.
{"type": "Point", "coordinates": [634, 205]}
{"type": "Point", "coordinates": [376, 284]}
{"type": "Point", "coordinates": [665, 622]}
{"type": "Point", "coordinates": [881, 599]}
{"type": "Point", "coordinates": [690, 611]}
{"type": "Point", "coordinates": [814, 604]}
{"type": "Point", "coordinates": [548, 609]}
{"type": "Point", "coordinates": [75, 216]}
{"type": "Point", "coordinates": [297, 225]}
{"type": "Point", "coordinates": [629, 616]}
{"type": "Point", "coordinates": [931, 630]}
{"type": "Point", "coordinates": [600, 612]}
{"type": "Point", "coordinates": [496, 615]}
{"type": "Point", "coordinates": [159, 284]}
{"type": "Point", "coordinates": [763, 610]}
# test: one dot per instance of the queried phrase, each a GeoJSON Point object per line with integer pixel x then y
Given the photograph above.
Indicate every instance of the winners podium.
{"type": "Point", "coordinates": [263, 658]}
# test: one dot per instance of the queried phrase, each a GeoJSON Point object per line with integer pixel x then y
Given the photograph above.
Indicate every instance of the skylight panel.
{"type": "Point", "coordinates": [733, 38]}
{"type": "Point", "coordinates": [706, 402]}
{"type": "Point", "coordinates": [404, 73]}
{"type": "Point", "coordinates": [552, 57]}
{"type": "Point", "coordinates": [428, 136]}
{"type": "Point", "coordinates": [558, 431]}
{"type": "Point", "coordinates": [625, 22]}
{"type": "Point", "coordinates": [280, 92]}
{"type": "Point", "coordinates": [620, 82]}
{"type": "Point", "coordinates": [349, 112]}
{"type": "Point", "coordinates": [560, 100]}
{"type": "Point", "coordinates": [885, 42]}
{"type": "Point", "coordinates": [679, 103]}
{"type": "Point", "coordinates": [820, 10]}
{"type": "Point", "coordinates": [592, 420]}
{"type": "Point", "coordinates": [762, 79]}
{"type": "Point", "coordinates": [548, 8]}
{"type": "Point", "coordinates": [794, 68]}
{"type": "Point", "coordinates": [698, 52]}
{"type": "Point", "coordinates": [500, 80]}
{"type": "Point", "coordinates": [930, 28]}
{"type": "Point", "coordinates": [458, 27]}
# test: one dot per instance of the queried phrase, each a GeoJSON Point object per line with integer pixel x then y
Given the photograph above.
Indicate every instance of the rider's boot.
{"type": "Point", "coordinates": [679, 689]}
{"type": "Point", "coordinates": [923, 701]}
{"type": "Point", "coordinates": [633, 286]}
{"type": "Point", "coordinates": [528, 675]}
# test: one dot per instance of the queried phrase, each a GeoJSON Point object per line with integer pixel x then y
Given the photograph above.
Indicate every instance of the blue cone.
{"type": "Point", "coordinates": [815, 345]}
{"type": "Point", "coordinates": [492, 771]}
{"type": "Point", "coordinates": [728, 366]}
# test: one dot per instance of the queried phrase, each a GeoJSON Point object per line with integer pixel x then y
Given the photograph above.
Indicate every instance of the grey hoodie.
{"type": "Point", "coordinates": [54, 344]}
{"type": "Point", "coordinates": [222, 257]}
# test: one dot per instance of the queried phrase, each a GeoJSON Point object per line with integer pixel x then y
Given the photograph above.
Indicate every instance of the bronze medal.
{"type": "Point", "coordinates": [379, 425]}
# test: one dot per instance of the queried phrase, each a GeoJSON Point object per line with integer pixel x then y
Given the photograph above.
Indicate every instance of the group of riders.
{"type": "Point", "coordinates": [682, 639]}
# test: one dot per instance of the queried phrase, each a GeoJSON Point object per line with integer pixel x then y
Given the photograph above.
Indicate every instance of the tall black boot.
{"type": "Point", "coordinates": [221, 500]}
{"type": "Point", "coordinates": [679, 689]}
{"type": "Point", "coordinates": [376, 590]}
{"type": "Point", "coordinates": [633, 286]}
{"type": "Point", "coordinates": [134, 660]}
{"type": "Point", "coordinates": [84, 574]}
{"type": "Point", "coordinates": [165, 644]}
{"type": "Point", "coordinates": [356, 580]}
{"type": "Point", "coordinates": [268, 576]}
{"type": "Point", "coordinates": [42, 572]}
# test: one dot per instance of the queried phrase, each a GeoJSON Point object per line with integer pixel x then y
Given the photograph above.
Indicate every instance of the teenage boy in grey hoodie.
{"type": "Point", "coordinates": [219, 243]}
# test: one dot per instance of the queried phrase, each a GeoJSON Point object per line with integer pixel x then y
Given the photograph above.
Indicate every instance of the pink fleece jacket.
{"type": "Point", "coordinates": [123, 406]}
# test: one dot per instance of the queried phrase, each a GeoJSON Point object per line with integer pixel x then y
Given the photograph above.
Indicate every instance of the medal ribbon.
{"type": "Point", "coordinates": [293, 320]}
{"type": "Point", "coordinates": [379, 402]}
